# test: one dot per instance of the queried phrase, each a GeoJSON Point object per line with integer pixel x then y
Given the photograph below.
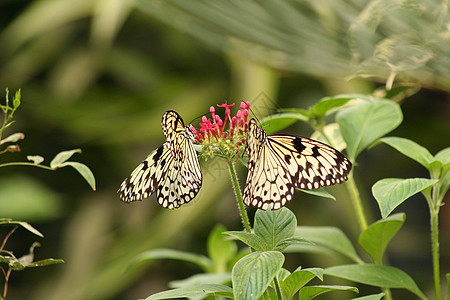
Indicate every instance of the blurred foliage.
{"type": "Point", "coordinates": [99, 74]}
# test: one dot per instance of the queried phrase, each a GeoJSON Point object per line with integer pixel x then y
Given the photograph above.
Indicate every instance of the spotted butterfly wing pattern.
{"type": "Point", "coordinates": [280, 163]}
{"type": "Point", "coordinates": [172, 170]}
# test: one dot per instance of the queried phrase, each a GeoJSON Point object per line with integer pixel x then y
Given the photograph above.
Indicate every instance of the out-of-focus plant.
{"type": "Point", "coordinates": [19, 264]}
{"type": "Point", "coordinates": [8, 144]}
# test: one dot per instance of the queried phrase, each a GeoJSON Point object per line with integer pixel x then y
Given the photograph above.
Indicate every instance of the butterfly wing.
{"type": "Point", "coordinates": [144, 180]}
{"type": "Point", "coordinates": [173, 170]}
{"type": "Point", "coordinates": [280, 163]}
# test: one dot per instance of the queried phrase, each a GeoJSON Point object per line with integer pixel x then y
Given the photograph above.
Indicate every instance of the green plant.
{"type": "Point", "coordinates": [360, 122]}
{"type": "Point", "coordinates": [60, 160]}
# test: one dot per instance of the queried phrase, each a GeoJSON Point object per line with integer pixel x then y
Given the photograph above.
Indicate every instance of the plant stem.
{"type": "Point", "coordinates": [277, 288]}
{"type": "Point", "coordinates": [25, 164]}
{"type": "Point", "coordinates": [434, 212]}
{"type": "Point", "coordinates": [356, 200]}
{"type": "Point", "coordinates": [238, 194]}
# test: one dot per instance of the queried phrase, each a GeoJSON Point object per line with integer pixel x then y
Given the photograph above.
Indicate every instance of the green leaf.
{"type": "Point", "coordinates": [370, 297]}
{"type": "Point", "coordinates": [283, 244]}
{"type": "Point", "coordinates": [13, 138]}
{"type": "Point", "coordinates": [320, 192]}
{"type": "Point", "coordinates": [23, 224]}
{"type": "Point", "coordinates": [391, 192]}
{"type": "Point", "coordinates": [295, 281]}
{"type": "Point", "coordinates": [310, 292]}
{"type": "Point", "coordinates": [45, 262]}
{"type": "Point", "coordinates": [201, 290]}
{"type": "Point", "coordinates": [83, 170]}
{"type": "Point", "coordinates": [376, 275]}
{"type": "Point", "coordinates": [331, 238]}
{"type": "Point", "coordinates": [410, 149]}
{"type": "Point", "coordinates": [202, 261]}
{"type": "Point", "coordinates": [250, 239]}
{"type": "Point", "coordinates": [221, 250]}
{"type": "Point", "coordinates": [274, 226]}
{"type": "Point", "coordinates": [375, 238]}
{"type": "Point", "coordinates": [36, 159]}
{"type": "Point", "coordinates": [203, 278]}
{"type": "Point", "coordinates": [253, 273]}
{"type": "Point", "coordinates": [16, 100]}
{"type": "Point", "coordinates": [324, 105]}
{"type": "Point", "coordinates": [61, 157]}
{"type": "Point", "coordinates": [443, 156]}
{"type": "Point", "coordinates": [366, 121]}
{"type": "Point", "coordinates": [276, 122]}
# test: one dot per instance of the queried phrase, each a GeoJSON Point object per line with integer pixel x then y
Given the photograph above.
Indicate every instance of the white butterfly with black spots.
{"type": "Point", "coordinates": [172, 170]}
{"type": "Point", "coordinates": [280, 163]}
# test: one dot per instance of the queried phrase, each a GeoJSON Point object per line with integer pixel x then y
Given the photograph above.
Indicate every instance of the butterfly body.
{"type": "Point", "coordinates": [172, 170]}
{"type": "Point", "coordinates": [280, 163]}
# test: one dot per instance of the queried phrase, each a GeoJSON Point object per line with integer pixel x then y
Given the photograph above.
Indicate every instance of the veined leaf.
{"type": "Point", "coordinates": [364, 122]}
{"type": "Point", "coordinates": [253, 273]}
{"type": "Point", "coordinates": [310, 292]}
{"type": "Point", "coordinates": [274, 226]}
{"type": "Point", "coordinates": [201, 290]}
{"type": "Point", "coordinates": [410, 149]}
{"type": "Point", "coordinates": [375, 238]}
{"type": "Point", "coordinates": [331, 238]}
{"type": "Point", "coordinates": [391, 192]}
{"type": "Point", "coordinates": [376, 275]}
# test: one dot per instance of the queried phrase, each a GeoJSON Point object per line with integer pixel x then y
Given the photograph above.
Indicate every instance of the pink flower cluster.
{"type": "Point", "coordinates": [214, 130]}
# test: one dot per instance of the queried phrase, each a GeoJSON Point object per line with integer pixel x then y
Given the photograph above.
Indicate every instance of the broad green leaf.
{"type": "Point", "coordinates": [375, 238]}
{"type": "Point", "coordinates": [310, 292]}
{"type": "Point", "coordinates": [280, 121]}
{"type": "Point", "coordinates": [62, 157]}
{"type": "Point", "coordinates": [221, 250]}
{"type": "Point", "coordinates": [364, 122]}
{"type": "Point", "coordinates": [443, 156]}
{"type": "Point", "coordinates": [410, 149]}
{"type": "Point", "coordinates": [202, 261]}
{"type": "Point", "coordinates": [331, 238]}
{"type": "Point", "coordinates": [391, 192]}
{"type": "Point", "coordinates": [36, 159]}
{"type": "Point", "coordinates": [333, 136]}
{"type": "Point", "coordinates": [13, 138]}
{"type": "Point", "coordinates": [253, 273]}
{"type": "Point", "coordinates": [295, 281]}
{"type": "Point", "coordinates": [376, 275]}
{"type": "Point", "coordinates": [324, 105]}
{"type": "Point", "coordinates": [320, 192]}
{"type": "Point", "coordinates": [23, 224]}
{"type": "Point", "coordinates": [274, 226]}
{"type": "Point", "coordinates": [370, 297]}
{"type": "Point", "coordinates": [83, 170]}
{"type": "Point", "coordinates": [201, 290]}
{"type": "Point", "coordinates": [283, 244]}
{"type": "Point", "coordinates": [202, 278]}
{"type": "Point", "coordinates": [250, 239]}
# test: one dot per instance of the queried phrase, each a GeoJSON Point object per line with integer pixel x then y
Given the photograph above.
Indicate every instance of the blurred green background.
{"type": "Point", "coordinates": [98, 75]}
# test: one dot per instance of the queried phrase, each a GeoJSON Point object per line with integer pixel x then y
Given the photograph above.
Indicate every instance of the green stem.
{"type": "Point", "coordinates": [25, 164]}
{"type": "Point", "coordinates": [434, 212]}
{"type": "Point", "coordinates": [237, 191]}
{"type": "Point", "coordinates": [277, 288]}
{"type": "Point", "coordinates": [357, 203]}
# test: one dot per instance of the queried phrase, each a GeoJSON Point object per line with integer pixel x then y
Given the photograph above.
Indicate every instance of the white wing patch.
{"type": "Point", "coordinates": [280, 163]}
{"type": "Point", "coordinates": [172, 170]}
